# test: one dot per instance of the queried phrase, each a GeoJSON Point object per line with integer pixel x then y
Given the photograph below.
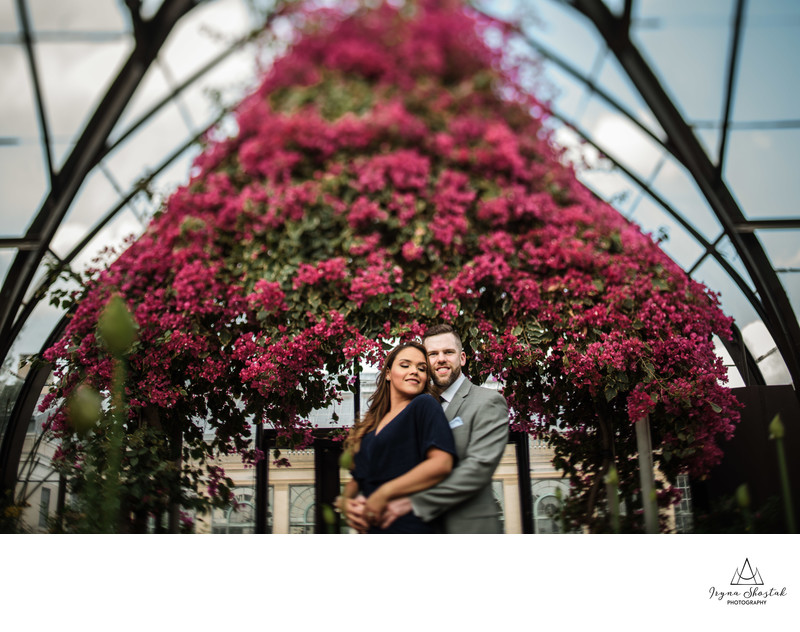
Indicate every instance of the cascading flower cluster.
{"type": "Point", "coordinates": [378, 184]}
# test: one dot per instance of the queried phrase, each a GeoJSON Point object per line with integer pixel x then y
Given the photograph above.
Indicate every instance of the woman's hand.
{"type": "Point", "coordinates": [353, 509]}
{"type": "Point", "coordinates": [376, 503]}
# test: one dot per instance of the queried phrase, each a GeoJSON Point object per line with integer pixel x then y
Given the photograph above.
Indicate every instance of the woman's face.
{"type": "Point", "coordinates": [409, 373]}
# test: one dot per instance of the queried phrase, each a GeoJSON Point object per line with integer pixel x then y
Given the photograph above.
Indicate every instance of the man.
{"type": "Point", "coordinates": [464, 501]}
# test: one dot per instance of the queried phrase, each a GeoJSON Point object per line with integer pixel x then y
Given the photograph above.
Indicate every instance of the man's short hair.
{"type": "Point", "coordinates": [444, 328]}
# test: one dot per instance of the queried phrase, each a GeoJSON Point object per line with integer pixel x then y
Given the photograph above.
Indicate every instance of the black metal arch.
{"type": "Point", "coordinates": [780, 319]}
{"type": "Point", "coordinates": [769, 299]}
{"type": "Point", "coordinates": [35, 245]}
{"type": "Point", "coordinates": [91, 146]}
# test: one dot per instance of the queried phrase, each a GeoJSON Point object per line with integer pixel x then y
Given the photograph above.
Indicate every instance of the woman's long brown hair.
{"type": "Point", "coordinates": [380, 401]}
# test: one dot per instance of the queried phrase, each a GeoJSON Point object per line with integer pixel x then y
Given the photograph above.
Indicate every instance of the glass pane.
{"type": "Point", "coordinates": [8, 16]}
{"type": "Point", "coordinates": [301, 509]}
{"type": "Point", "coordinates": [21, 163]}
{"type": "Point", "coordinates": [734, 303]}
{"type": "Point", "coordinates": [613, 186]}
{"type": "Point", "coordinates": [617, 84]}
{"type": "Point", "coordinates": [761, 171]}
{"type": "Point", "coordinates": [241, 517]}
{"type": "Point", "coordinates": [202, 34]}
{"type": "Point", "coordinates": [36, 478]}
{"type": "Point", "coordinates": [791, 283]}
{"type": "Point", "coordinates": [680, 191]}
{"type": "Point", "coordinates": [556, 24]}
{"type": "Point", "coordinates": [726, 248]}
{"type": "Point", "coordinates": [165, 183]}
{"type": "Point", "coordinates": [562, 90]}
{"type": "Point", "coordinates": [112, 235]}
{"type": "Point", "coordinates": [153, 88]}
{"type": "Point", "coordinates": [546, 504]}
{"type": "Point", "coordinates": [675, 12]}
{"type": "Point", "coordinates": [17, 110]}
{"type": "Point", "coordinates": [620, 139]}
{"type": "Point", "coordinates": [74, 77]}
{"type": "Point", "coordinates": [7, 256]}
{"type": "Point", "coordinates": [10, 385]}
{"type": "Point", "coordinates": [675, 36]}
{"type": "Point", "coordinates": [709, 136]}
{"type": "Point", "coordinates": [679, 244]}
{"type": "Point", "coordinates": [229, 80]}
{"type": "Point", "coordinates": [769, 360]}
{"type": "Point", "coordinates": [765, 88]}
{"type": "Point", "coordinates": [782, 247]}
{"type": "Point", "coordinates": [96, 197]}
{"type": "Point", "coordinates": [734, 376]}
{"type": "Point", "coordinates": [141, 153]}
{"type": "Point", "coordinates": [75, 15]}
{"type": "Point", "coordinates": [38, 327]}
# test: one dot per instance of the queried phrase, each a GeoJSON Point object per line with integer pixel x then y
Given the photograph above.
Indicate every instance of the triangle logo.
{"type": "Point", "coordinates": [746, 576]}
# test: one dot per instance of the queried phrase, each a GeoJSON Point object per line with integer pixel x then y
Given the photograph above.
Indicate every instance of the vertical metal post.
{"type": "Point", "coordinates": [646, 476]}
{"type": "Point", "coordinates": [357, 392]}
{"type": "Point", "coordinates": [61, 501]}
{"type": "Point", "coordinates": [326, 482]}
{"type": "Point", "coordinates": [523, 452]}
{"type": "Point", "coordinates": [262, 479]}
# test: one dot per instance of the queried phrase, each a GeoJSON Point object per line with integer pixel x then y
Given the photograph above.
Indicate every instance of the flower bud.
{"type": "Point", "coordinates": [776, 427]}
{"type": "Point", "coordinates": [328, 515]}
{"type": "Point", "coordinates": [346, 460]}
{"type": "Point", "coordinates": [743, 496]}
{"type": "Point", "coordinates": [116, 326]}
{"type": "Point", "coordinates": [84, 408]}
{"type": "Point", "coordinates": [612, 477]}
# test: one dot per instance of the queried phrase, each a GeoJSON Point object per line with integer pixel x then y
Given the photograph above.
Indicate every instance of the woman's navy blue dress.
{"type": "Point", "coordinates": [399, 447]}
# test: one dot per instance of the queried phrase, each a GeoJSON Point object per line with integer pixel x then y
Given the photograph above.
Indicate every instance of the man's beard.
{"type": "Point", "coordinates": [455, 373]}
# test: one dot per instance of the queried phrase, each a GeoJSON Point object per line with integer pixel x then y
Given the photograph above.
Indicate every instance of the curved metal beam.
{"type": "Point", "coordinates": [81, 161]}
{"type": "Point", "coordinates": [708, 246]}
{"type": "Point", "coordinates": [710, 249]}
{"type": "Point", "coordinates": [782, 321]}
{"type": "Point", "coordinates": [12, 441]}
{"type": "Point", "coordinates": [29, 244]}
{"type": "Point", "coordinates": [22, 11]}
{"type": "Point", "coordinates": [733, 60]}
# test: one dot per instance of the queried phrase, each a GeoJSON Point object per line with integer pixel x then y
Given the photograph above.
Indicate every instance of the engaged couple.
{"type": "Point", "coordinates": [428, 445]}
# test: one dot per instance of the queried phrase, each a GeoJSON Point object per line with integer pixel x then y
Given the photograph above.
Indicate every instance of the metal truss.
{"type": "Point", "coordinates": [91, 148]}
{"type": "Point", "coordinates": [768, 299]}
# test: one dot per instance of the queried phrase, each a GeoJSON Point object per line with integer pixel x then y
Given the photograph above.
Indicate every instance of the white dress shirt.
{"type": "Point", "coordinates": [450, 392]}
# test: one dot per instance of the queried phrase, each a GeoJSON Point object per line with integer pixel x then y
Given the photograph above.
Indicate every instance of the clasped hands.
{"type": "Point", "coordinates": [377, 510]}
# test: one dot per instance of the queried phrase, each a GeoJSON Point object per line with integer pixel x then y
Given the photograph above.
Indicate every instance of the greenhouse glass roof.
{"type": "Point", "coordinates": [681, 114]}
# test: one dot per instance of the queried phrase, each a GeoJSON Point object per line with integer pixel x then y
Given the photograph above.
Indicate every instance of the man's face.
{"type": "Point", "coordinates": [446, 358]}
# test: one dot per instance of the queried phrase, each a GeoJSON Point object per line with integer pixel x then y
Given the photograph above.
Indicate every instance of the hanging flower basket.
{"type": "Point", "coordinates": [388, 174]}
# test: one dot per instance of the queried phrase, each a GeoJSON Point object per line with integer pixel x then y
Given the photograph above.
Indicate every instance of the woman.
{"type": "Point", "coordinates": [404, 443]}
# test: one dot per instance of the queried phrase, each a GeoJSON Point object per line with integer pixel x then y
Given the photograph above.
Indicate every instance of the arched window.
{"type": "Point", "coordinates": [547, 505]}
{"type": "Point", "coordinates": [241, 517]}
{"type": "Point", "coordinates": [301, 509]}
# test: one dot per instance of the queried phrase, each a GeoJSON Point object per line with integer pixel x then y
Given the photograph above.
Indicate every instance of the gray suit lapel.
{"type": "Point", "coordinates": [458, 399]}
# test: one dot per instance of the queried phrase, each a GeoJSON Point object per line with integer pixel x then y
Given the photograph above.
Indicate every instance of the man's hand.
{"type": "Point", "coordinates": [376, 503]}
{"type": "Point", "coordinates": [394, 509]}
{"type": "Point", "coordinates": [354, 512]}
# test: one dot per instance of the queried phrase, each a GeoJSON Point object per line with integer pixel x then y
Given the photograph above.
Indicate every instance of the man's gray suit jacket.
{"type": "Point", "coordinates": [464, 501]}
